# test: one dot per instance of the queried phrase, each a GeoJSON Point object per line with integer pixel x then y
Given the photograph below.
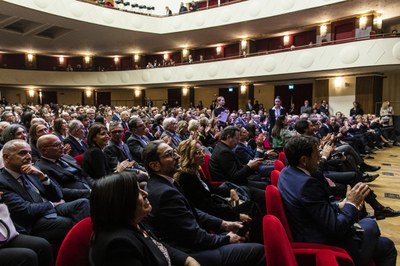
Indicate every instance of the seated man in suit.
{"type": "Point", "coordinates": [224, 165]}
{"type": "Point", "coordinates": [175, 221]}
{"type": "Point", "coordinates": [74, 182]}
{"type": "Point", "coordinates": [117, 151]}
{"type": "Point", "coordinates": [34, 201]}
{"type": "Point", "coordinates": [76, 131]}
{"type": "Point", "coordinates": [315, 216]}
{"type": "Point", "coordinates": [137, 141]}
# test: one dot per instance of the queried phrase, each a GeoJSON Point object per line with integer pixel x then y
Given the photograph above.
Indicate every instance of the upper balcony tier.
{"type": "Point", "coordinates": [357, 57]}
{"type": "Point", "coordinates": [75, 27]}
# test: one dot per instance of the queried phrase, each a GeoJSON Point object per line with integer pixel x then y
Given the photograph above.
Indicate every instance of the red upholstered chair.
{"type": "Point", "coordinates": [79, 159]}
{"type": "Point", "coordinates": [275, 177]}
{"type": "Point", "coordinates": [74, 249]}
{"type": "Point", "coordinates": [278, 250]}
{"type": "Point", "coordinates": [207, 173]}
{"type": "Point", "coordinates": [281, 156]}
{"type": "Point", "coordinates": [275, 207]}
{"type": "Point", "coordinates": [278, 165]}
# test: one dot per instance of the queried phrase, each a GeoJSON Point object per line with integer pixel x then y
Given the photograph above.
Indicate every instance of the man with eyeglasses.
{"type": "Point", "coordinates": [180, 225]}
{"type": "Point", "coordinates": [118, 152]}
{"type": "Point", "coordinates": [138, 140]}
{"type": "Point", "coordinates": [74, 182]}
{"type": "Point", "coordinates": [76, 132]}
{"type": "Point", "coordinates": [35, 202]}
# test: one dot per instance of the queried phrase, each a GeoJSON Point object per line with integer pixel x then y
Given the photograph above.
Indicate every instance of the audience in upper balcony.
{"type": "Point", "coordinates": [182, 8]}
{"type": "Point", "coordinates": [168, 11]}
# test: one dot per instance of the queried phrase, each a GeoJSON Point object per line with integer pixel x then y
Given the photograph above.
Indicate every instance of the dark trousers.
{"type": "Point", "coordinates": [55, 229]}
{"type": "Point", "coordinates": [25, 250]}
{"type": "Point", "coordinates": [370, 245]}
{"type": "Point", "coordinates": [231, 255]}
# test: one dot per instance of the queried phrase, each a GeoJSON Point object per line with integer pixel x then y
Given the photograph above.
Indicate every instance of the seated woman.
{"type": "Point", "coordinates": [94, 161]}
{"type": "Point", "coordinates": [118, 206]}
{"type": "Point", "coordinates": [280, 134]}
{"type": "Point", "coordinates": [204, 197]}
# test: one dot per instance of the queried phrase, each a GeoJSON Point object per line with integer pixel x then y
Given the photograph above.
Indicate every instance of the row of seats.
{"type": "Point", "coordinates": [127, 5]}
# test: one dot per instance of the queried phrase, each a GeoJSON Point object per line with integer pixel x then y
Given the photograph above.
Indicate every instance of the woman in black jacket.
{"type": "Point", "coordinates": [117, 207]}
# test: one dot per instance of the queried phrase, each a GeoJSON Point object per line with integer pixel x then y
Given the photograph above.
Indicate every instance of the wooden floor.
{"type": "Point", "coordinates": [388, 182]}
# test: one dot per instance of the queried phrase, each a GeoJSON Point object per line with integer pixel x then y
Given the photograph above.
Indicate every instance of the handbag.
{"type": "Point", "coordinates": [7, 228]}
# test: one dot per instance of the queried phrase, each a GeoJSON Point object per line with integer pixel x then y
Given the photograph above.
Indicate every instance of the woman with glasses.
{"type": "Point", "coordinates": [118, 206]}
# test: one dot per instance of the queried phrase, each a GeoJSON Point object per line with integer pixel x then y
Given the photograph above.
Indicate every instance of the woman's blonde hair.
{"type": "Point", "coordinates": [186, 151]}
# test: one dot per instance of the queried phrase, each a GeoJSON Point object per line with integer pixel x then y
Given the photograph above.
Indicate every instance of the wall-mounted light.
{"type": "Point", "coordinates": [323, 29]}
{"type": "Point", "coordinates": [137, 93]}
{"type": "Point", "coordinates": [185, 52]}
{"type": "Point", "coordinates": [219, 50]}
{"type": "Point", "coordinates": [87, 59]}
{"type": "Point", "coordinates": [30, 57]}
{"type": "Point", "coordinates": [116, 60]}
{"type": "Point", "coordinates": [136, 58]}
{"type": "Point", "coordinates": [88, 92]}
{"type": "Point", "coordinates": [31, 92]}
{"type": "Point", "coordinates": [286, 40]}
{"type": "Point", "coordinates": [363, 22]}
{"type": "Point", "coordinates": [243, 44]}
{"type": "Point", "coordinates": [338, 82]}
{"type": "Point", "coordinates": [61, 60]}
{"type": "Point", "coordinates": [166, 56]}
{"type": "Point", "coordinates": [243, 89]}
{"type": "Point", "coordinates": [185, 91]}
{"type": "Point", "coordinates": [378, 21]}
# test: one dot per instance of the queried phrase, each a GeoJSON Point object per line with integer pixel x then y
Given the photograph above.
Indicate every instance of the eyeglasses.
{"type": "Point", "coordinates": [200, 151]}
{"type": "Point", "coordinates": [170, 153]}
{"type": "Point", "coordinates": [56, 145]}
{"type": "Point", "coordinates": [117, 131]}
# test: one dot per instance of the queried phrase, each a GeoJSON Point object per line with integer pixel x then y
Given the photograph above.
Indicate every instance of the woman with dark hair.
{"type": "Point", "coordinates": [26, 119]}
{"type": "Point", "coordinates": [36, 131]}
{"type": "Point", "coordinates": [118, 206]}
{"type": "Point", "coordinates": [94, 161]}
{"type": "Point", "coordinates": [60, 128]}
{"type": "Point", "coordinates": [13, 131]}
{"type": "Point", "coordinates": [280, 134]}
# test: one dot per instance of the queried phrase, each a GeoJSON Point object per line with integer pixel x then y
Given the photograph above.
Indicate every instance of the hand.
{"type": "Point", "coordinates": [191, 262]}
{"type": "Point", "coordinates": [244, 218]}
{"type": "Point", "coordinates": [231, 226]}
{"type": "Point", "coordinates": [254, 164]}
{"type": "Point", "coordinates": [357, 194]}
{"type": "Point", "coordinates": [67, 148]}
{"type": "Point", "coordinates": [121, 166]}
{"type": "Point", "coordinates": [234, 238]}
{"type": "Point", "coordinates": [58, 203]}
{"type": "Point", "coordinates": [167, 139]}
{"type": "Point", "coordinates": [32, 170]}
{"type": "Point", "coordinates": [327, 150]}
{"type": "Point", "coordinates": [157, 134]}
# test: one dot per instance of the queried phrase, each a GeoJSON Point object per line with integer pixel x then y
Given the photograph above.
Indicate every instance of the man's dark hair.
{"type": "Point", "coordinates": [229, 132]}
{"type": "Point", "coordinates": [301, 126]}
{"type": "Point", "coordinates": [299, 146]}
{"type": "Point", "coordinates": [150, 154]}
{"type": "Point", "coordinates": [132, 122]}
{"type": "Point", "coordinates": [113, 201]}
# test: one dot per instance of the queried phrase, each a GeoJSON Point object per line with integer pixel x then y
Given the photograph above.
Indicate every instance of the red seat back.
{"type": "Point", "coordinates": [275, 177]}
{"type": "Point", "coordinates": [277, 247]}
{"type": "Point", "coordinates": [79, 159]}
{"type": "Point", "coordinates": [74, 249]}
{"type": "Point", "coordinates": [275, 207]}
{"type": "Point", "coordinates": [206, 170]}
{"type": "Point", "coordinates": [278, 165]}
{"type": "Point", "coordinates": [281, 156]}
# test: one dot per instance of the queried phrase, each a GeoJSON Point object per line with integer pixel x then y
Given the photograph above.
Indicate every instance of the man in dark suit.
{"type": "Point", "coordinates": [276, 111]}
{"type": "Point", "coordinates": [34, 201]}
{"type": "Point", "coordinates": [137, 141]}
{"type": "Point", "coordinates": [224, 165]}
{"type": "Point", "coordinates": [175, 221]}
{"type": "Point", "coordinates": [315, 216]}
{"type": "Point", "coordinates": [76, 134]}
{"type": "Point", "coordinates": [74, 182]}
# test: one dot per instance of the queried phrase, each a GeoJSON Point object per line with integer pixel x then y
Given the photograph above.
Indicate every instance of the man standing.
{"type": "Point", "coordinates": [35, 203]}
{"type": "Point", "coordinates": [306, 108]}
{"type": "Point", "coordinates": [315, 216]}
{"type": "Point", "coordinates": [276, 111]}
{"type": "Point", "coordinates": [175, 221]}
